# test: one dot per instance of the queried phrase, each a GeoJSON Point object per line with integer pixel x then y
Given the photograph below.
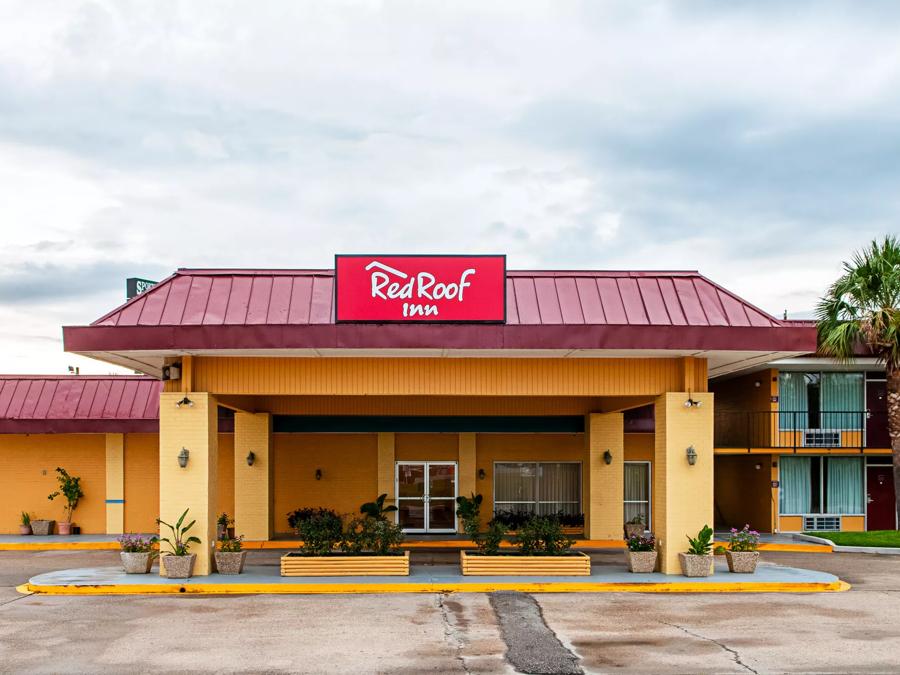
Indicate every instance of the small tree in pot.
{"type": "Point", "coordinates": [641, 554]}
{"type": "Point", "coordinates": [230, 556]}
{"type": "Point", "coordinates": [225, 527]}
{"type": "Point", "coordinates": [137, 553]}
{"type": "Point", "coordinates": [742, 553]}
{"type": "Point", "coordinates": [698, 561]}
{"type": "Point", "coordinates": [70, 488]}
{"type": "Point", "coordinates": [179, 562]}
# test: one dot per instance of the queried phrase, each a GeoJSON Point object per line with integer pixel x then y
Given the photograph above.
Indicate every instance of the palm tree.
{"type": "Point", "coordinates": [862, 308]}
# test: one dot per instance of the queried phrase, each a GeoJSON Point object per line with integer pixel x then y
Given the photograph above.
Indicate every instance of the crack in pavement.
{"type": "Point", "coordinates": [532, 646]}
{"type": "Point", "coordinates": [451, 634]}
{"type": "Point", "coordinates": [734, 654]}
{"type": "Point", "coordinates": [21, 597]}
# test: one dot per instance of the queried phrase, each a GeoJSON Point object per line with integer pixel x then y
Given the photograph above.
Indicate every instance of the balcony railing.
{"type": "Point", "coordinates": [800, 429]}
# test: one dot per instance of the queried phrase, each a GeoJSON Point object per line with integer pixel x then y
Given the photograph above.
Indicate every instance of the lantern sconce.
{"type": "Point", "coordinates": [185, 401]}
{"type": "Point", "coordinates": [318, 474]}
{"type": "Point", "coordinates": [481, 474]}
{"type": "Point", "coordinates": [692, 403]}
{"type": "Point", "coordinates": [251, 457]}
{"type": "Point", "coordinates": [691, 455]}
{"type": "Point", "coordinates": [607, 457]}
{"type": "Point", "coordinates": [183, 457]}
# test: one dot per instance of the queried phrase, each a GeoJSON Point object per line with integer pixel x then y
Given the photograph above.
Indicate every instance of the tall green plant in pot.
{"type": "Point", "coordinates": [468, 510]}
{"type": "Point", "coordinates": [698, 561]}
{"type": "Point", "coordinates": [70, 490]}
{"type": "Point", "coordinates": [179, 562]}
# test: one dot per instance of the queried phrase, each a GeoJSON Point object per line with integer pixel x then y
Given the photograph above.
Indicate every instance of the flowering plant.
{"type": "Point", "coordinates": [639, 543]}
{"type": "Point", "coordinates": [135, 543]}
{"type": "Point", "coordinates": [744, 540]}
{"type": "Point", "coordinates": [232, 545]}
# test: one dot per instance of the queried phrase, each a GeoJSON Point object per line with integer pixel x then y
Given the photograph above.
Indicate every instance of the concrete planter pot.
{"type": "Point", "coordinates": [24, 529]}
{"type": "Point", "coordinates": [230, 563]}
{"type": "Point", "coordinates": [136, 563]}
{"type": "Point", "coordinates": [42, 527]}
{"type": "Point", "coordinates": [641, 562]}
{"type": "Point", "coordinates": [634, 530]}
{"type": "Point", "coordinates": [65, 528]}
{"type": "Point", "coordinates": [742, 562]}
{"type": "Point", "coordinates": [696, 565]}
{"type": "Point", "coordinates": [179, 566]}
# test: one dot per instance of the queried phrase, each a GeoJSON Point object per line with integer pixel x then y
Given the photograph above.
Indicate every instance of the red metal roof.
{"type": "Point", "coordinates": [78, 404]}
{"type": "Point", "coordinates": [305, 297]}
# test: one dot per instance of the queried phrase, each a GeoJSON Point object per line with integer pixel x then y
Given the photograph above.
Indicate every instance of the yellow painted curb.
{"type": "Point", "coordinates": [62, 546]}
{"type": "Point", "coordinates": [436, 587]}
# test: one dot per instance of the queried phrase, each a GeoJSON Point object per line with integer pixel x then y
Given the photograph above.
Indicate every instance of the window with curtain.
{"type": "Point", "coordinates": [842, 400]}
{"type": "Point", "coordinates": [792, 401]}
{"type": "Point", "coordinates": [537, 487]}
{"type": "Point", "coordinates": [637, 491]}
{"type": "Point", "coordinates": [832, 401]}
{"type": "Point", "coordinates": [821, 485]}
{"type": "Point", "coordinates": [795, 490]}
{"type": "Point", "coordinates": [844, 485]}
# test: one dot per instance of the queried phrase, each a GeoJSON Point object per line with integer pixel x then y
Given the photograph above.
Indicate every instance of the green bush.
{"type": "Point", "coordinates": [489, 542]}
{"type": "Point", "coordinates": [702, 543]}
{"type": "Point", "coordinates": [297, 516]}
{"type": "Point", "coordinates": [371, 535]}
{"type": "Point", "coordinates": [468, 509]}
{"type": "Point", "coordinates": [377, 509]}
{"type": "Point", "coordinates": [321, 533]}
{"type": "Point", "coordinates": [543, 535]}
{"type": "Point", "coordinates": [70, 488]}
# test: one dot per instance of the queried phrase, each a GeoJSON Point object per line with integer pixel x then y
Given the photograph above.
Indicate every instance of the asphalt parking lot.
{"type": "Point", "coordinates": [856, 631]}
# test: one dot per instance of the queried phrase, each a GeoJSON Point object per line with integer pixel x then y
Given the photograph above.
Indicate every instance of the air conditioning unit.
{"type": "Point", "coordinates": [822, 523]}
{"type": "Point", "coordinates": [821, 438]}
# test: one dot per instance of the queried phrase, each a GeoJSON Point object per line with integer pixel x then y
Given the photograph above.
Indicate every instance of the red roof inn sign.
{"type": "Point", "coordinates": [420, 288]}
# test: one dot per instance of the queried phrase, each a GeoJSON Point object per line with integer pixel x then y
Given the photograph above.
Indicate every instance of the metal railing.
{"type": "Point", "coordinates": [800, 429]}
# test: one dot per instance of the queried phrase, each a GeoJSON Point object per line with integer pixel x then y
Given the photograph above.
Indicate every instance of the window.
{"type": "Point", "coordinates": [821, 401]}
{"type": "Point", "coordinates": [543, 488]}
{"type": "Point", "coordinates": [637, 491]}
{"type": "Point", "coordinates": [821, 485]}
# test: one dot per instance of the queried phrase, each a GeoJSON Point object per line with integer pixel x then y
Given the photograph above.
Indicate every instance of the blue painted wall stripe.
{"type": "Point", "coordinates": [115, 501]}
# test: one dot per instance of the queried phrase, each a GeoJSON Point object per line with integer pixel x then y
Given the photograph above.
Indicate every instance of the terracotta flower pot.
{"type": "Point", "coordinates": [136, 563]}
{"type": "Point", "coordinates": [696, 565]}
{"type": "Point", "coordinates": [230, 563]}
{"type": "Point", "coordinates": [42, 527]}
{"type": "Point", "coordinates": [634, 530]}
{"type": "Point", "coordinates": [742, 562]}
{"type": "Point", "coordinates": [179, 566]}
{"type": "Point", "coordinates": [641, 562]}
{"type": "Point", "coordinates": [64, 527]}
{"type": "Point", "coordinates": [24, 529]}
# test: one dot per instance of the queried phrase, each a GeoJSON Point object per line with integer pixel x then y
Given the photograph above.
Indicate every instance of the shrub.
{"type": "Point", "coordinates": [702, 543]}
{"type": "Point", "coordinates": [135, 543]}
{"type": "Point", "coordinates": [297, 516]}
{"type": "Point", "coordinates": [371, 535]}
{"type": "Point", "coordinates": [232, 544]}
{"type": "Point", "coordinates": [70, 488]}
{"type": "Point", "coordinates": [377, 509]}
{"type": "Point", "coordinates": [744, 540]}
{"type": "Point", "coordinates": [543, 535]}
{"type": "Point", "coordinates": [26, 518]}
{"type": "Point", "coordinates": [224, 521]}
{"type": "Point", "coordinates": [515, 519]}
{"type": "Point", "coordinates": [489, 542]}
{"type": "Point", "coordinates": [639, 543]}
{"type": "Point", "coordinates": [321, 533]}
{"type": "Point", "coordinates": [468, 509]}
{"type": "Point", "coordinates": [178, 543]}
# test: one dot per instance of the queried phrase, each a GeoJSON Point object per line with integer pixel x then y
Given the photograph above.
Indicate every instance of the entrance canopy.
{"type": "Point", "coordinates": [571, 314]}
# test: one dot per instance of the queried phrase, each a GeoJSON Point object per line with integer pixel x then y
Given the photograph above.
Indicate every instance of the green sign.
{"type": "Point", "coordinates": [135, 286]}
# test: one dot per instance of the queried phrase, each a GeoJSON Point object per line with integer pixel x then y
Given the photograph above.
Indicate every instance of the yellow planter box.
{"type": "Point", "coordinates": [345, 565]}
{"type": "Point", "coordinates": [576, 564]}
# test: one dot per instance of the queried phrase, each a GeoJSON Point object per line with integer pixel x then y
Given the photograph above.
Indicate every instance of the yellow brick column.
{"type": "Point", "coordinates": [386, 444]}
{"type": "Point", "coordinates": [194, 428]}
{"type": "Point", "coordinates": [253, 493]}
{"type": "Point", "coordinates": [466, 482]}
{"type": "Point", "coordinates": [603, 485]}
{"type": "Point", "coordinates": [115, 483]}
{"type": "Point", "coordinates": [682, 494]}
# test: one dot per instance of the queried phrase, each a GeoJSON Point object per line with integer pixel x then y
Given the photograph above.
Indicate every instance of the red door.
{"type": "Point", "coordinates": [881, 509]}
{"type": "Point", "coordinates": [876, 415]}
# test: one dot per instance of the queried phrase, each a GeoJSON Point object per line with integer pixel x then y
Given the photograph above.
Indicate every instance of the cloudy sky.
{"type": "Point", "coordinates": [758, 142]}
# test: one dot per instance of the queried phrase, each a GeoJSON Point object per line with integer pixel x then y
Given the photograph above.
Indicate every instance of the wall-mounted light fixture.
{"type": "Point", "coordinates": [183, 457]}
{"type": "Point", "coordinates": [251, 457]}
{"type": "Point", "coordinates": [607, 457]}
{"type": "Point", "coordinates": [481, 474]}
{"type": "Point", "coordinates": [318, 474]}
{"type": "Point", "coordinates": [757, 384]}
{"type": "Point", "coordinates": [757, 467]}
{"type": "Point", "coordinates": [692, 403]}
{"type": "Point", "coordinates": [691, 455]}
{"type": "Point", "coordinates": [185, 401]}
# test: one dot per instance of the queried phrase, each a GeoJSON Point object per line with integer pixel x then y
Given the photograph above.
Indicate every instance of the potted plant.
{"type": "Point", "coordinates": [377, 509]}
{"type": "Point", "coordinates": [641, 554]}
{"type": "Point", "coordinates": [137, 553]}
{"type": "Point", "coordinates": [225, 527]}
{"type": "Point", "coordinates": [25, 523]}
{"type": "Point", "coordinates": [698, 561]}
{"type": "Point", "coordinates": [179, 562]}
{"type": "Point", "coordinates": [230, 556]}
{"type": "Point", "coordinates": [742, 554]}
{"type": "Point", "coordinates": [70, 489]}
{"type": "Point", "coordinates": [635, 527]}
{"type": "Point", "coordinates": [42, 527]}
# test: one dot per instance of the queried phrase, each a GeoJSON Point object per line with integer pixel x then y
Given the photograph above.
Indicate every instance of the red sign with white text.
{"type": "Point", "coordinates": [420, 288]}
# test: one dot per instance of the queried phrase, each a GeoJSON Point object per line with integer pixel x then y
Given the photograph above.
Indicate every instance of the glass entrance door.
{"type": "Point", "coordinates": [426, 496]}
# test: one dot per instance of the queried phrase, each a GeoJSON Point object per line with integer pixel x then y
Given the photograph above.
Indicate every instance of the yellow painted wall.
{"type": "Point", "coordinates": [349, 472]}
{"type": "Point", "coordinates": [853, 524]}
{"type": "Point", "coordinates": [603, 485]}
{"type": "Point", "coordinates": [426, 447]}
{"type": "Point", "coordinates": [28, 474]}
{"type": "Point", "coordinates": [253, 492]}
{"type": "Point", "coordinates": [743, 494]}
{"type": "Point", "coordinates": [639, 447]}
{"type": "Point", "coordinates": [444, 376]}
{"type": "Point", "coordinates": [225, 491]}
{"type": "Point", "coordinates": [115, 483]}
{"type": "Point", "coordinates": [790, 524]}
{"type": "Point", "coordinates": [141, 482]}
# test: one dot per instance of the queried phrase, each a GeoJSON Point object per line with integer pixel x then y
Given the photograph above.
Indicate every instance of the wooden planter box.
{"type": "Point", "coordinates": [571, 531]}
{"type": "Point", "coordinates": [294, 565]}
{"type": "Point", "coordinates": [575, 564]}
